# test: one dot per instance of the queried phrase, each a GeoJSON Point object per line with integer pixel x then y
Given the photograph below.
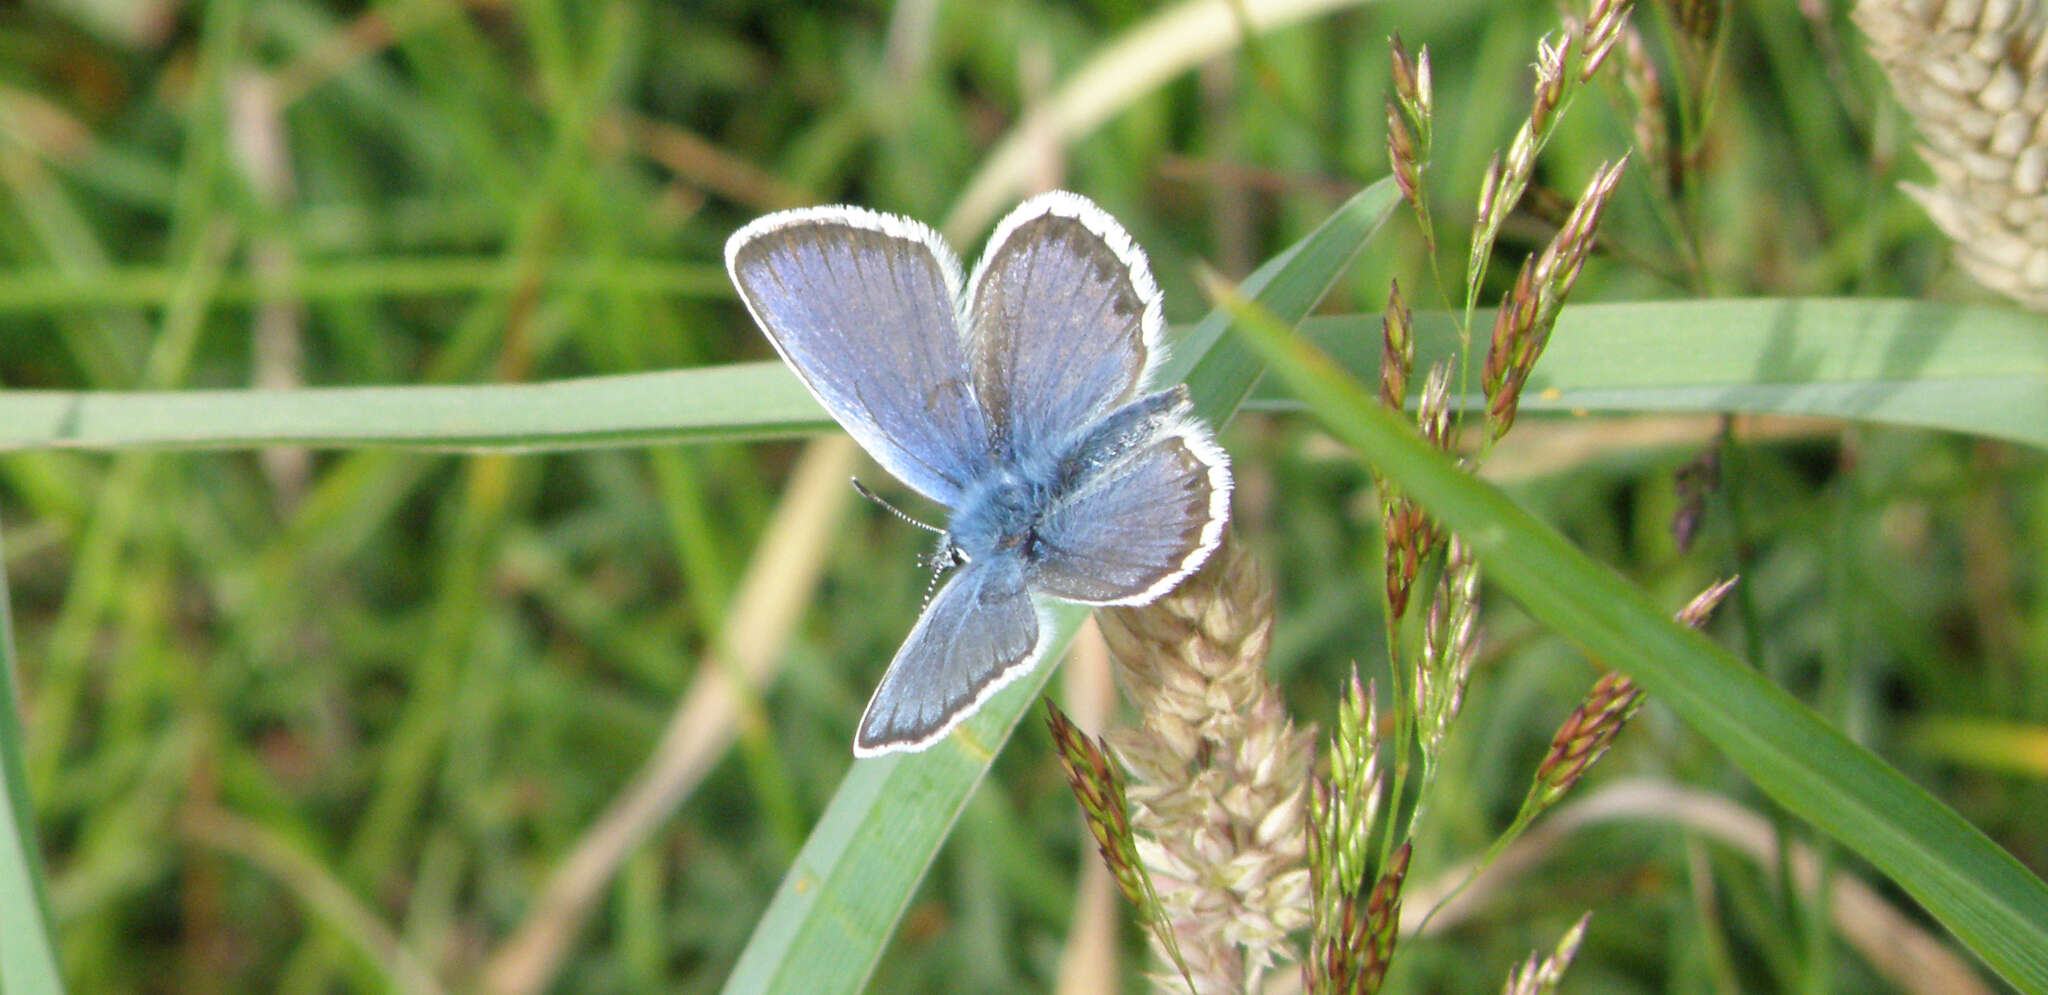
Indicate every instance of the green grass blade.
{"type": "Point", "coordinates": [1984, 896]}
{"type": "Point", "coordinates": [736, 401]}
{"type": "Point", "coordinates": [838, 905]}
{"type": "Point", "coordinates": [28, 958]}
{"type": "Point", "coordinates": [1966, 369]}
{"type": "Point", "coordinates": [1969, 369]}
{"type": "Point", "coordinates": [44, 291]}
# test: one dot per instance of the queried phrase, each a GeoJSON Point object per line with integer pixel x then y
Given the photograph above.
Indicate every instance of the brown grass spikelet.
{"type": "Point", "coordinates": [1606, 22]}
{"type": "Point", "coordinates": [1408, 533]}
{"type": "Point", "coordinates": [1414, 86]}
{"type": "Point", "coordinates": [1974, 78]}
{"type": "Point", "coordinates": [1408, 536]}
{"type": "Point", "coordinates": [1433, 413]}
{"type": "Point", "coordinates": [1585, 736]}
{"type": "Point", "coordinates": [1410, 123]}
{"type": "Point", "coordinates": [1564, 62]}
{"type": "Point", "coordinates": [1403, 157]}
{"type": "Point", "coordinates": [1405, 529]}
{"type": "Point", "coordinates": [1397, 349]}
{"type": "Point", "coordinates": [1218, 773]}
{"type": "Point", "coordinates": [1590, 729]}
{"type": "Point", "coordinates": [1355, 960]}
{"type": "Point", "coordinates": [1652, 125]}
{"type": "Point", "coordinates": [1522, 327]}
{"type": "Point", "coordinates": [1695, 483]}
{"type": "Point", "coordinates": [1698, 21]}
{"type": "Point", "coordinates": [1701, 607]}
{"type": "Point", "coordinates": [1099, 788]}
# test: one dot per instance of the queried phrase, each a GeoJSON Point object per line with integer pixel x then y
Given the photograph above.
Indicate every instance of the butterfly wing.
{"type": "Point", "coordinates": [1145, 506]}
{"type": "Point", "coordinates": [979, 633]}
{"type": "Point", "coordinates": [1063, 322]}
{"type": "Point", "coordinates": [862, 306]}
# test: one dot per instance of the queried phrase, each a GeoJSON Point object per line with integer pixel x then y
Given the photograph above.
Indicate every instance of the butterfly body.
{"type": "Point", "coordinates": [1000, 516]}
{"type": "Point", "coordinates": [1019, 401]}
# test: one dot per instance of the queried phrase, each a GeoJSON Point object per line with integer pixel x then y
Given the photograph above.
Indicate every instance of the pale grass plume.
{"type": "Point", "coordinates": [1539, 976]}
{"type": "Point", "coordinates": [1973, 75]}
{"type": "Point", "coordinates": [1448, 648]}
{"type": "Point", "coordinates": [1218, 774]}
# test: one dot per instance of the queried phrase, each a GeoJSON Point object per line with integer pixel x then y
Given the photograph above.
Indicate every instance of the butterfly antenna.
{"type": "Point", "coordinates": [893, 510]}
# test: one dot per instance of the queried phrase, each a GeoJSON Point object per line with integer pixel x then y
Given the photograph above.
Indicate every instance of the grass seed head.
{"type": "Point", "coordinates": [1973, 77]}
{"type": "Point", "coordinates": [1219, 776]}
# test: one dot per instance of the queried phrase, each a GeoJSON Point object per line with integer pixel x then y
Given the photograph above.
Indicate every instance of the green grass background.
{"type": "Point", "coordinates": [328, 719]}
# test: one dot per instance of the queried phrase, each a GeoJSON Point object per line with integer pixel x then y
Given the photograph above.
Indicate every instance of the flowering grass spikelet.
{"type": "Point", "coordinates": [1098, 786]}
{"type": "Point", "coordinates": [1541, 976]}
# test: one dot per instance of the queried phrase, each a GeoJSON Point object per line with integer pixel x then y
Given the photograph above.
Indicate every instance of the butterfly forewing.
{"type": "Point", "coordinates": [861, 305]}
{"type": "Point", "coordinates": [979, 633]}
{"type": "Point", "coordinates": [1063, 322]}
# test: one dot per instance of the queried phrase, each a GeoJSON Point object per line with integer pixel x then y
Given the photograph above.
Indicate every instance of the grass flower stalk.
{"type": "Point", "coordinates": [1591, 728]}
{"type": "Point", "coordinates": [1564, 63]}
{"type": "Point", "coordinates": [1410, 117]}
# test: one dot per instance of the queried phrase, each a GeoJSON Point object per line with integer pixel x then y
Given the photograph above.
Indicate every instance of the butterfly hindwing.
{"type": "Point", "coordinates": [1144, 508]}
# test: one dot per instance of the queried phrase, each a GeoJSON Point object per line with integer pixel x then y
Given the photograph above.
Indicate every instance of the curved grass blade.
{"type": "Point", "coordinates": [1981, 893]}
{"type": "Point", "coordinates": [28, 957]}
{"type": "Point", "coordinates": [839, 903]}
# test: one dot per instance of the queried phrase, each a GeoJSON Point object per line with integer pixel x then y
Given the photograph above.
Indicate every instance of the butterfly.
{"type": "Point", "coordinates": [1020, 400]}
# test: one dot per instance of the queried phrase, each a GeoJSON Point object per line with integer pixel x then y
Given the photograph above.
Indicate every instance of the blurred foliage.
{"type": "Point", "coordinates": [427, 674]}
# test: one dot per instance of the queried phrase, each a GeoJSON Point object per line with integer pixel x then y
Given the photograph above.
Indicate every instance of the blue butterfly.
{"type": "Point", "coordinates": [1019, 401]}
